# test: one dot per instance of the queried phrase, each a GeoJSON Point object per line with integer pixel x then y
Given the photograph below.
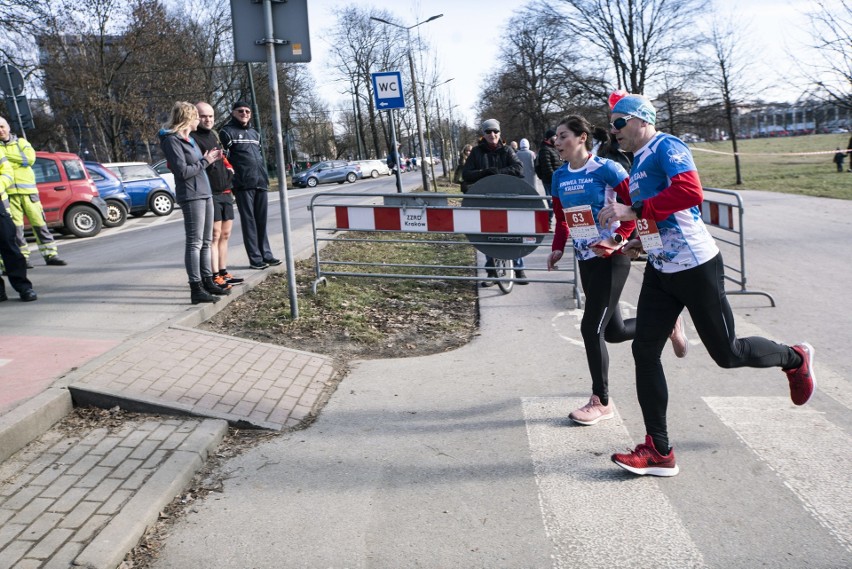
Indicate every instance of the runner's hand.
{"type": "Point", "coordinates": [552, 259]}
{"type": "Point", "coordinates": [633, 248]}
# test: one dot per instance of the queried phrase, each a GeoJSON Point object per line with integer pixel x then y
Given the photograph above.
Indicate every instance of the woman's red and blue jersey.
{"type": "Point", "coordinates": [595, 184]}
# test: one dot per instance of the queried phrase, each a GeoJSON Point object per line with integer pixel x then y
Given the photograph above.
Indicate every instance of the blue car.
{"type": "Point", "coordinates": [147, 190]}
{"type": "Point", "coordinates": [112, 191]}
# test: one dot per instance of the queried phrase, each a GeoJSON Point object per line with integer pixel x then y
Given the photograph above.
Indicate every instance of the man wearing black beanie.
{"type": "Point", "coordinates": [250, 184]}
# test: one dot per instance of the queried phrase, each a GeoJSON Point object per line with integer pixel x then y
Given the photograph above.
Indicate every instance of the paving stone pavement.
{"type": "Point", "coordinates": [190, 371]}
{"type": "Point", "coordinates": [86, 497]}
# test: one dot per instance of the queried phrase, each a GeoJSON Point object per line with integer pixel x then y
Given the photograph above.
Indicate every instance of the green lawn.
{"type": "Point", "coordinates": [813, 175]}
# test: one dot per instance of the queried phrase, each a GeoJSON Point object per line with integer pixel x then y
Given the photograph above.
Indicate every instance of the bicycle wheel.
{"type": "Point", "coordinates": [505, 270]}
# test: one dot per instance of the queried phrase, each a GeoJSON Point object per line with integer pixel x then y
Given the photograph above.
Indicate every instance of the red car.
{"type": "Point", "coordinates": [70, 199]}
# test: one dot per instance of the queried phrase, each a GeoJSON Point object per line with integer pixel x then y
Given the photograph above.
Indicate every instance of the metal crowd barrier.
{"type": "Point", "coordinates": [497, 224]}
{"type": "Point", "coordinates": [722, 212]}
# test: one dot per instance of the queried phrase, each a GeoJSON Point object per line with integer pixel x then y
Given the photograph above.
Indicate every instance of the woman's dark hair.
{"type": "Point", "coordinates": [579, 125]}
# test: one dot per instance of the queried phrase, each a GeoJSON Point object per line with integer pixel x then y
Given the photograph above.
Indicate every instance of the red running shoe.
{"type": "Point", "coordinates": [645, 459]}
{"type": "Point", "coordinates": [802, 379]}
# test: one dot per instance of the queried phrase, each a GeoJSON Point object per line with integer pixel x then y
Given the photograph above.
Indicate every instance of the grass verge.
{"type": "Point", "coordinates": [363, 317]}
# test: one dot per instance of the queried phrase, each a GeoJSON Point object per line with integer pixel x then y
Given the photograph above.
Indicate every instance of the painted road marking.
{"type": "Point", "coordinates": [809, 453]}
{"type": "Point", "coordinates": [572, 464]}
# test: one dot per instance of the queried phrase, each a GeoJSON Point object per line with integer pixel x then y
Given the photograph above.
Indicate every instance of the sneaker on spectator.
{"type": "Point", "coordinates": [272, 261]}
{"type": "Point", "coordinates": [645, 459]}
{"type": "Point", "coordinates": [803, 378]}
{"type": "Point", "coordinates": [221, 282]}
{"type": "Point", "coordinates": [680, 343]}
{"type": "Point", "coordinates": [593, 412]}
{"type": "Point", "coordinates": [231, 279]}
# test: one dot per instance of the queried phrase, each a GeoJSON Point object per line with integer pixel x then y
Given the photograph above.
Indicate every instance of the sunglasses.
{"type": "Point", "coordinates": [492, 131]}
{"type": "Point", "coordinates": [621, 122]}
{"type": "Point", "coordinates": [243, 111]}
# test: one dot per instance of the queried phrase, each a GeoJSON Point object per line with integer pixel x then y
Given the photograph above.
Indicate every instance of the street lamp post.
{"type": "Point", "coordinates": [414, 87]}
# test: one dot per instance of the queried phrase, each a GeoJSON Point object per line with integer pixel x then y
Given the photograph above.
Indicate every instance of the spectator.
{"type": "Point", "coordinates": [220, 174]}
{"type": "Point", "coordinates": [192, 190]}
{"type": "Point", "coordinates": [547, 162]}
{"type": "Point", "coordinates": [14, 261]}
{"type": "Point", "coordinates": [527, 158]}
{"type": "Point", "coordinates": [251, 184]}
{"type": "Point", "coordinates": [839, 157]}
{"type": "Point", "coordinates": [24, 199]}
{"type": "Point", "coordinates": [489, 157]}
{"type": "Point", "coordinates": [457, 175]}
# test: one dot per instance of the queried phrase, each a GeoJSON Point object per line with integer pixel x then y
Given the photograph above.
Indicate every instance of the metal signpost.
{"type": "Point", "coordinates": [388, 95]}
{"type": "Point", "coordinates": [255, 26]}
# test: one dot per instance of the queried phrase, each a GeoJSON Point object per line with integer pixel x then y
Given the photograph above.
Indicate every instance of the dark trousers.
{"type": "Point", "coordinates": [253, 206]}
{"type": "Point", "coordinates": [701, 290]}
{"type": "Point", "coordinates": [13, 259]}
{"type": "Point", "coordinates": [603, 280]}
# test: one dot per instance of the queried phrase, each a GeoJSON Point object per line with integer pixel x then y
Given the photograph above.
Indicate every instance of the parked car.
{"type": "Point", "coordinates": [373, 168]}
{"type": "Point", "coordinates": [162, 169]}
{"type": "Point", "coordinates": [326, 172]}
{"type": "Point", "coordinates": [112, 191]}
{"type": "Point", "coordinates": [147, 190]}
{"type": "Point", "coordinates": [71, 200]}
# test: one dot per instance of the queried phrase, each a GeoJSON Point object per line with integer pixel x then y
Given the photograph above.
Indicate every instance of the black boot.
{"type": "Point", "coordinates": [213, 288]}
{"type": "Point", "coordinates": [198, 294]}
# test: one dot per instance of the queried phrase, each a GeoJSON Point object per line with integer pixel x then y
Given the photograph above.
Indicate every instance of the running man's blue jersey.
{"type": "Point", "coordinates": [686, 241]}
{"type": "Point", "coordinates": [592, 184]}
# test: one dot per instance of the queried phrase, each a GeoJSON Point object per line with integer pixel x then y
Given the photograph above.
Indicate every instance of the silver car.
{"type": "Point", "coordinates": [326, 172]}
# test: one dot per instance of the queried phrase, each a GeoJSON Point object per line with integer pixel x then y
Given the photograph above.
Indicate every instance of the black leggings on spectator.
{"type": "Point", "coordinates": [603, 280]}
{"type": "Point", "coordinates": [701, 290]}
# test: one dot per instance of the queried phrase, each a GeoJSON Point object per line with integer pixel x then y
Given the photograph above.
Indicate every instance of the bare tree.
{"type": "Point", "coordinates": [539, 77]}
{"type": "Point", "coordinates": [829, 67]}
{"type": "Point", "coordinates": [728, 76]}
{"type": "Point", "coordinates": [636, 36]}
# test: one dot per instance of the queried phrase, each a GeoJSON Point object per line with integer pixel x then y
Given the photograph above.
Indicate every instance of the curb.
{"type": "Point", "coordinates": [31, 419]}
{"type": "Point", "coordinates": [123, 532]}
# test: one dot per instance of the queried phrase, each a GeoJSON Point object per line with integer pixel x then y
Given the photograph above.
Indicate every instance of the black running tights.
{"type": "Point", "coordinates": [702, 291]}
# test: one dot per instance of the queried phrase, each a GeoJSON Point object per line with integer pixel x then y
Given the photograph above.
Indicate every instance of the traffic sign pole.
{"type": "Point", "coordinates": [395, 153]}
{"type": "Point", "coordinates": [14, 86]}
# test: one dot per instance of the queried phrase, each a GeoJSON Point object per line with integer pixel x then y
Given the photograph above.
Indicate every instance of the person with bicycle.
{"type": "Point", "coordinates": [489, 157]}
{"type": "Point", "coordinates": [581, 187]}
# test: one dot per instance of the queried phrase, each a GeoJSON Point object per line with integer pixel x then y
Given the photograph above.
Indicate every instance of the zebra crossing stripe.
{"type": "Point", "coordinates": [809, 453]}
{"type": "Point", "coordinates": [572, 464]}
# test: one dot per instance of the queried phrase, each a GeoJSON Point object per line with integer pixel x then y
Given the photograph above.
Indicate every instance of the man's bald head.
{"type": "Point", "coordinates": [206, 116]}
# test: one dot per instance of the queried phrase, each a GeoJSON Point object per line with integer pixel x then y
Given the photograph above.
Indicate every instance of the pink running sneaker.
{"type": "Point", "coordinates": [593, 412]}
{"type": "Point", "coordinates": [645, 459]}
{"type": "Point", "coordinates": [680, 343]}
{"type": "Point", "coordinates": [803, 378]}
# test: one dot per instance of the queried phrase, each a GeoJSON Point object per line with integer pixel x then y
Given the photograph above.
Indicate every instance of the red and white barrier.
{"type": "Point", "coordinates": [425, 220]}
{"type": "Point", "coordinates": [718, 214]}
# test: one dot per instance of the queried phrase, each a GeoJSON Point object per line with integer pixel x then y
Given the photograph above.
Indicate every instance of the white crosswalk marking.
{"type": "Point", "coordinates": [809, 453]}
{"type": "Point", "coordinates": [583, 496]}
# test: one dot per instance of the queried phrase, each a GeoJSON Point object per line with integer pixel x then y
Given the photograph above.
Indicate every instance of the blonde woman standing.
{"type": "Point", "coordinates": [195, 197]}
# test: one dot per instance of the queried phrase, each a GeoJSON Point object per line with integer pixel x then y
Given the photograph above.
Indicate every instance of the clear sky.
{"type": "Point", "coordinates": [466, 40]}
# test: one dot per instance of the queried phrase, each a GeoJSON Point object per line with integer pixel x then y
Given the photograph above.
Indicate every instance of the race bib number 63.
{"type": "Point", "coordinates": [649, 234]}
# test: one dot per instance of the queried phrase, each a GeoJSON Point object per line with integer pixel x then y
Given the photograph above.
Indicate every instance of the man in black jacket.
{"type": "Point", "coordinates": [492, 156]}
{"type": "Point", "coordinates": [242, 144]}
{"type": "Point", "coordinates": [220, 173]}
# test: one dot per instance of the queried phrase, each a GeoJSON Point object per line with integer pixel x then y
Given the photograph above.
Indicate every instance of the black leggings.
{"type": "Point", "coordinates": [603, 280]}
{"type": "Point", "coordinates": [702, 291]}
